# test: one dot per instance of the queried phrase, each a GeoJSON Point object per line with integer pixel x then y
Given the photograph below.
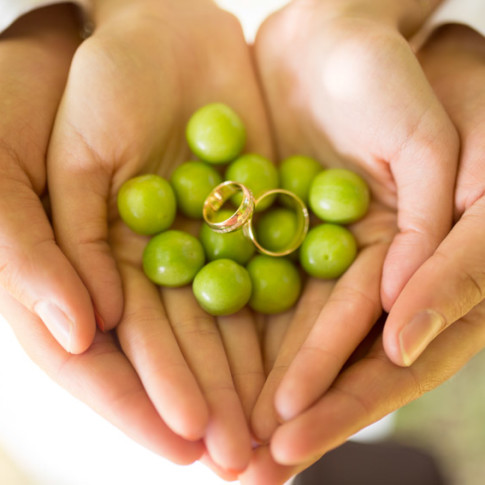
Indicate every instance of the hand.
{"type": "Point", "coordinates": [330, 65]}
{"type": "Point", "coordinates": [35, 54]}
{"type": "Point", "coordinates": [454, 61]}
{"type": "Point", "coordinates": [131, 89]}
{"type": "Point", "coordinates": [347, 73]}
{"type": "Point", "coordinates": [370, 386]}
{"type": "Point", "coordinates": [103, 378]}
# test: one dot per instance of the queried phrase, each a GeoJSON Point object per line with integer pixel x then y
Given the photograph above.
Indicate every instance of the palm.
{"type": "Point", "coordinates": [202, 374]}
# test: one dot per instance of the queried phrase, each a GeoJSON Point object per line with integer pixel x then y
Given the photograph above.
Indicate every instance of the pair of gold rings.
{"type": "Point", "coordinates": [242, 218]}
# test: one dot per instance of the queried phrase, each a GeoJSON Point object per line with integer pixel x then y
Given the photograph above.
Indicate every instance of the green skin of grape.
{"type": "Point", "coordinates": [231, 245]}
{"type": "Point", "coordinates": [222, 287]}
{"type": "Point", "coordinates": [327, 251]}
{"type": "Point", "coordinates": [276, 284]}
{"type": "Point", "coordinates": [173, 258]}
{"type": "Point", "coordinates": [216, 134]}
{"type": "Point", "coordinates": [276, 229]}
{"type": "Point", "coordinates": [339, 196]}
{"type": "Point", "coordinates": [147, 204]}
{"type": "Point", "coordinates": [297, 174]}
{"type": "Point", "coordinates": [192, 182]}
{"type": "Point", "coordinates": [257, 173]}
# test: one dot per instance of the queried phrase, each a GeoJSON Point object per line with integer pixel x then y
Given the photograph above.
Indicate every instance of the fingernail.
{"type": "Point", "coordinates": [56, 321]}
{"type": "Point", "coordinates": [418, 333]}
{"type": "Point", "coordinates": [99, 320]}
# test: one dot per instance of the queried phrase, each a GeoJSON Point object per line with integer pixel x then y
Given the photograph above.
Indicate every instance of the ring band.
{"type": "Point", "coordinates": [302, 223]}
{"type": "Point", "coordinates": [218, 197]}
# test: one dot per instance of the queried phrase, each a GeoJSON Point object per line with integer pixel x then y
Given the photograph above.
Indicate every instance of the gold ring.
{"type": "Point", "coordinates": [302, 221]}
{"type": "Point", "coordinates": [218, 197]}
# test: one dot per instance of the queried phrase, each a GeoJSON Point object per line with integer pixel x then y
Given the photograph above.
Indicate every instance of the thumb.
{"type": "Point", "coordinates": [448, 285]}
{"type": "Point", "coordinates": [35, 271]}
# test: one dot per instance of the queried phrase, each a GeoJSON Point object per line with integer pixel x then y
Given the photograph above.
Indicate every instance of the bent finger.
{"type": "Point", "coordinates": [443, 290]}
{"type": "Point", "coordinates": [35, 271]}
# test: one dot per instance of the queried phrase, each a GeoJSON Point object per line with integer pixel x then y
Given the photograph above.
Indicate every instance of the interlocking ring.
{"type": "Point", "coordinates": [243, 215]}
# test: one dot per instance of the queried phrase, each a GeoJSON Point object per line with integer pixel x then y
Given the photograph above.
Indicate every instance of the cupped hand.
{"type": "Point", "coordinates": [131, 90]}
{"type": "Point", "coordinates": [451, 283]}
{"type": "Point", "coordinates": [35, 54]}
{"type": "Point", "coordinates": [346, 72]}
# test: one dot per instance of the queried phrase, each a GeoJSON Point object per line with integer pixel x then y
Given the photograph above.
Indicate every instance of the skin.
{"type": "Point", "coordinates": [328, 117]}
{"type": "Point", "coordinates": [35, 55]}
{"type": "Point", "coordinates": [124, 110]}
{"type": "Point", "coordinates": [364, 384]}
{"type": "Point", "coordinates": [212, 368]}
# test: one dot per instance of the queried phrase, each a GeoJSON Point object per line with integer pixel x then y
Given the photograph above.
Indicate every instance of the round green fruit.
{"type": "Point", "coordinates": [147, 204]}
{"type": "Point", "coordinates": [276, 284]}
{"type": "Point", "coordinates": [192, 182]}
{"type": "Point", "coordinates": [297, 174]}
{"type": "Point", "coordinates": [216, 134]}
{"type": "Point", "coordinates": [339, 196]}
{"type": "Point", "coordinates": [173, 258]}
{"type": "Point", "coordinates": [327, 251]}
{"type": "Point", "coordinates": [257, 173]}
{"type": "Point", "coordinates": [222, 287]}
{"type": "Point", "coordinates": [230, 245]}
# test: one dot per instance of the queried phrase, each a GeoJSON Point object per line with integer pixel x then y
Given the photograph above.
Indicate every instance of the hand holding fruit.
{"type": "Point", "coordinates": [127, 116]}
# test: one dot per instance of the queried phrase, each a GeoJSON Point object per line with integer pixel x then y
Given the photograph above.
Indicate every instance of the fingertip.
{"type": "Point", "coordinates": [406, 254]}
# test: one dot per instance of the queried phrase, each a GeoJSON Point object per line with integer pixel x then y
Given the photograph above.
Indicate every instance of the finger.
{"type": "Point", "coordinates": [264, 419]}
{"type": "Point", "coordinates": [147, 340]}
{"type": "Point", "coordinates": [227, 436]}
{"type": "Point", "coordinates": [102, 378]}
{"type": "Point", "coordinates": [263, 470]}
{"type": "Point", "coordinates": [351, 311]}
{"type": "Point", "coordinates": [243, 349]}
{"type": "Point", "coordinates": [424, 170]}
{"type": "Point", "coordinates": [443, 290]}
{"type": "Point", "coordinates": [34, 270]}
{"type": "Point", "coordinates": [79, 187]}
{"type": "Point", "coordinates": [371, 389]}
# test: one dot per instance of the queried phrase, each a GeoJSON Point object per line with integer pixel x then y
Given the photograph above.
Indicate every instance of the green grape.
{"type": "Point", "coordinates": [339, 195]}
{"type": "Point", "coordinates": [327, 251]}
{"type": "Point", "coordinates": [173, 258]}
{"type": "Point", "coordinates": [230, 245]}
{"type": "Point", "coordinates": [297, 174]}
{"type": "Point", "coordinates": [216, 134]}
{"type": "Point", "coordinates": [276, 229]}
{"type": "Point", "coordinates": [276, 284]}
{"type": "Point", "coordinates": [147, 204]}
{"type": "Point", "coordinates": [257, 173]}
{"type": "Point", "coordinates": [222, 287]}
{"type": "Point", "coordinates": [192, 182]}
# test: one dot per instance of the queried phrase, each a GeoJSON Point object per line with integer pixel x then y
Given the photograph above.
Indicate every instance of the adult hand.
{"type": "Point", "coordinates": [370, 386]}
{"type": "Point", "coordinates": [357, 97]}
{"type": "Point", "coordinates": [347, 72]}
{"type": "Point", "coordinates": [35, 54]}
{"type": "Point", "coordinates": [452, 281]}
{"type": "Point", "coordinates": [132, 87]}
{"type": "Point", "coordinates": [38, 284]}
